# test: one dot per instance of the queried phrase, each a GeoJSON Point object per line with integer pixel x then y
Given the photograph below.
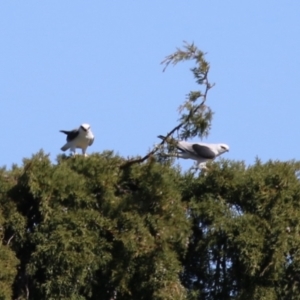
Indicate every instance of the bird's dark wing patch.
{"type": "Point", "coordinates": [203, 151]}
{"type": "Point", "coordinates": [71, 135]}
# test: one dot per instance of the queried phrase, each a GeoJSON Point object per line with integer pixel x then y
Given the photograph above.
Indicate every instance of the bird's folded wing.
{"type": "Point", "coordinates": [203, 151]}
{"type": "Point", "coordinates": [71, 135]}
{"type": "Point", "coordinates": [91, 141]}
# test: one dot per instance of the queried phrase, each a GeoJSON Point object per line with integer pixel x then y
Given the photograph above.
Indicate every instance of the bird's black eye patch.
{"type": "Point", "coordinates": [83, 128]}
{"type": "Point", "coordinates": [223, 147]}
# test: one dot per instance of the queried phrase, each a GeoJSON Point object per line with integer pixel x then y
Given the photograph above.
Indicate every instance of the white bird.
{"type": "Point", "coordinates": [201, 152]}
{"type": "Point", "coordinates": [78, 138]}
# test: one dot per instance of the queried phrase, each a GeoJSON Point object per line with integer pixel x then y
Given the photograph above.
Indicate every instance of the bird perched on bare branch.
{"type": "Point", "coordinates": [201, 152]}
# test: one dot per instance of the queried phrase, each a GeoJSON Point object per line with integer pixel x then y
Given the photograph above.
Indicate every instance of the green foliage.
{"type": "Point", "coordinates": [8, 264]}
{"type": "Point", "coordinates": [246, 232]}
{"type": "Point", "coordinates": [85, 229]}
{"type": "Point", "coordinates": [196, 116]}
{"type": "Point", "coordinates": [8, 260]}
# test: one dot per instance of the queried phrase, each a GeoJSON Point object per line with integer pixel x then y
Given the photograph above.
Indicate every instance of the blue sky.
{"type": "Point", "coordinates": [63, 63]}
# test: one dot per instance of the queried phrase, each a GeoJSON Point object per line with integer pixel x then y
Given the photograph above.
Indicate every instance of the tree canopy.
{"type": "Point", "coordinates": [105, 227]}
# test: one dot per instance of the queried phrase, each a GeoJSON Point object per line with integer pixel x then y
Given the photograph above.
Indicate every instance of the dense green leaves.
{"type": "Point", "coordinates": [85, 229]}
{"type": "Point", "coordinates": [246, 223]}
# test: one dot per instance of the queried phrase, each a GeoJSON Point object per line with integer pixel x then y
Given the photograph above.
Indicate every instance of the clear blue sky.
{"type": "Point", "coordinates": [63, 63]}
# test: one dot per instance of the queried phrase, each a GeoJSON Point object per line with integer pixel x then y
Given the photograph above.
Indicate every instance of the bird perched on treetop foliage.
{"type": "Point", "coordinates": [201, 152]}
{"type": "Point", "coordinates": [78, 138]}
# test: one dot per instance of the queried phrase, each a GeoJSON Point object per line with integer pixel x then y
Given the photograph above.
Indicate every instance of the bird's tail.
{"type": "Point", "coordinates": [65, 147]}
{"type": "Point", "coordinates": [64, 131]}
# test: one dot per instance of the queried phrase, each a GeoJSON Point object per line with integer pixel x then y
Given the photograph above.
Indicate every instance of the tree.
{"type": "Point", "coordinates": [195, 116]}
{"type": "Point", "coordinates": [8, 260]}
{"type": "Point", "coordinates": [93, 231]}
{"type": "Point", "coordinates": [104, 227]}
{"type": "Point", "coordinates": [245, 232]}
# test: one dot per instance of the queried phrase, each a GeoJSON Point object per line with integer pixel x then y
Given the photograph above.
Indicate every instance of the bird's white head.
{"type": "Point", "coordinates": [223, 148]}
{"type": "Point", "coordinates": [85, 127]}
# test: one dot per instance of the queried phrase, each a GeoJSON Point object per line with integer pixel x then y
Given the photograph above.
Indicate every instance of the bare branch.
{"type": "Point", "coordinates": [8, 242]}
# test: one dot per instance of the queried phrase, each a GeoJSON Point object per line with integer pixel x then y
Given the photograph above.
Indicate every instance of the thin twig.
{"type": "Point", "coordinates": [8, 242]}
{"type": "Point", "coordinates": [27, 291]}
{"type": "Point", "coordinates": [266, 268]}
